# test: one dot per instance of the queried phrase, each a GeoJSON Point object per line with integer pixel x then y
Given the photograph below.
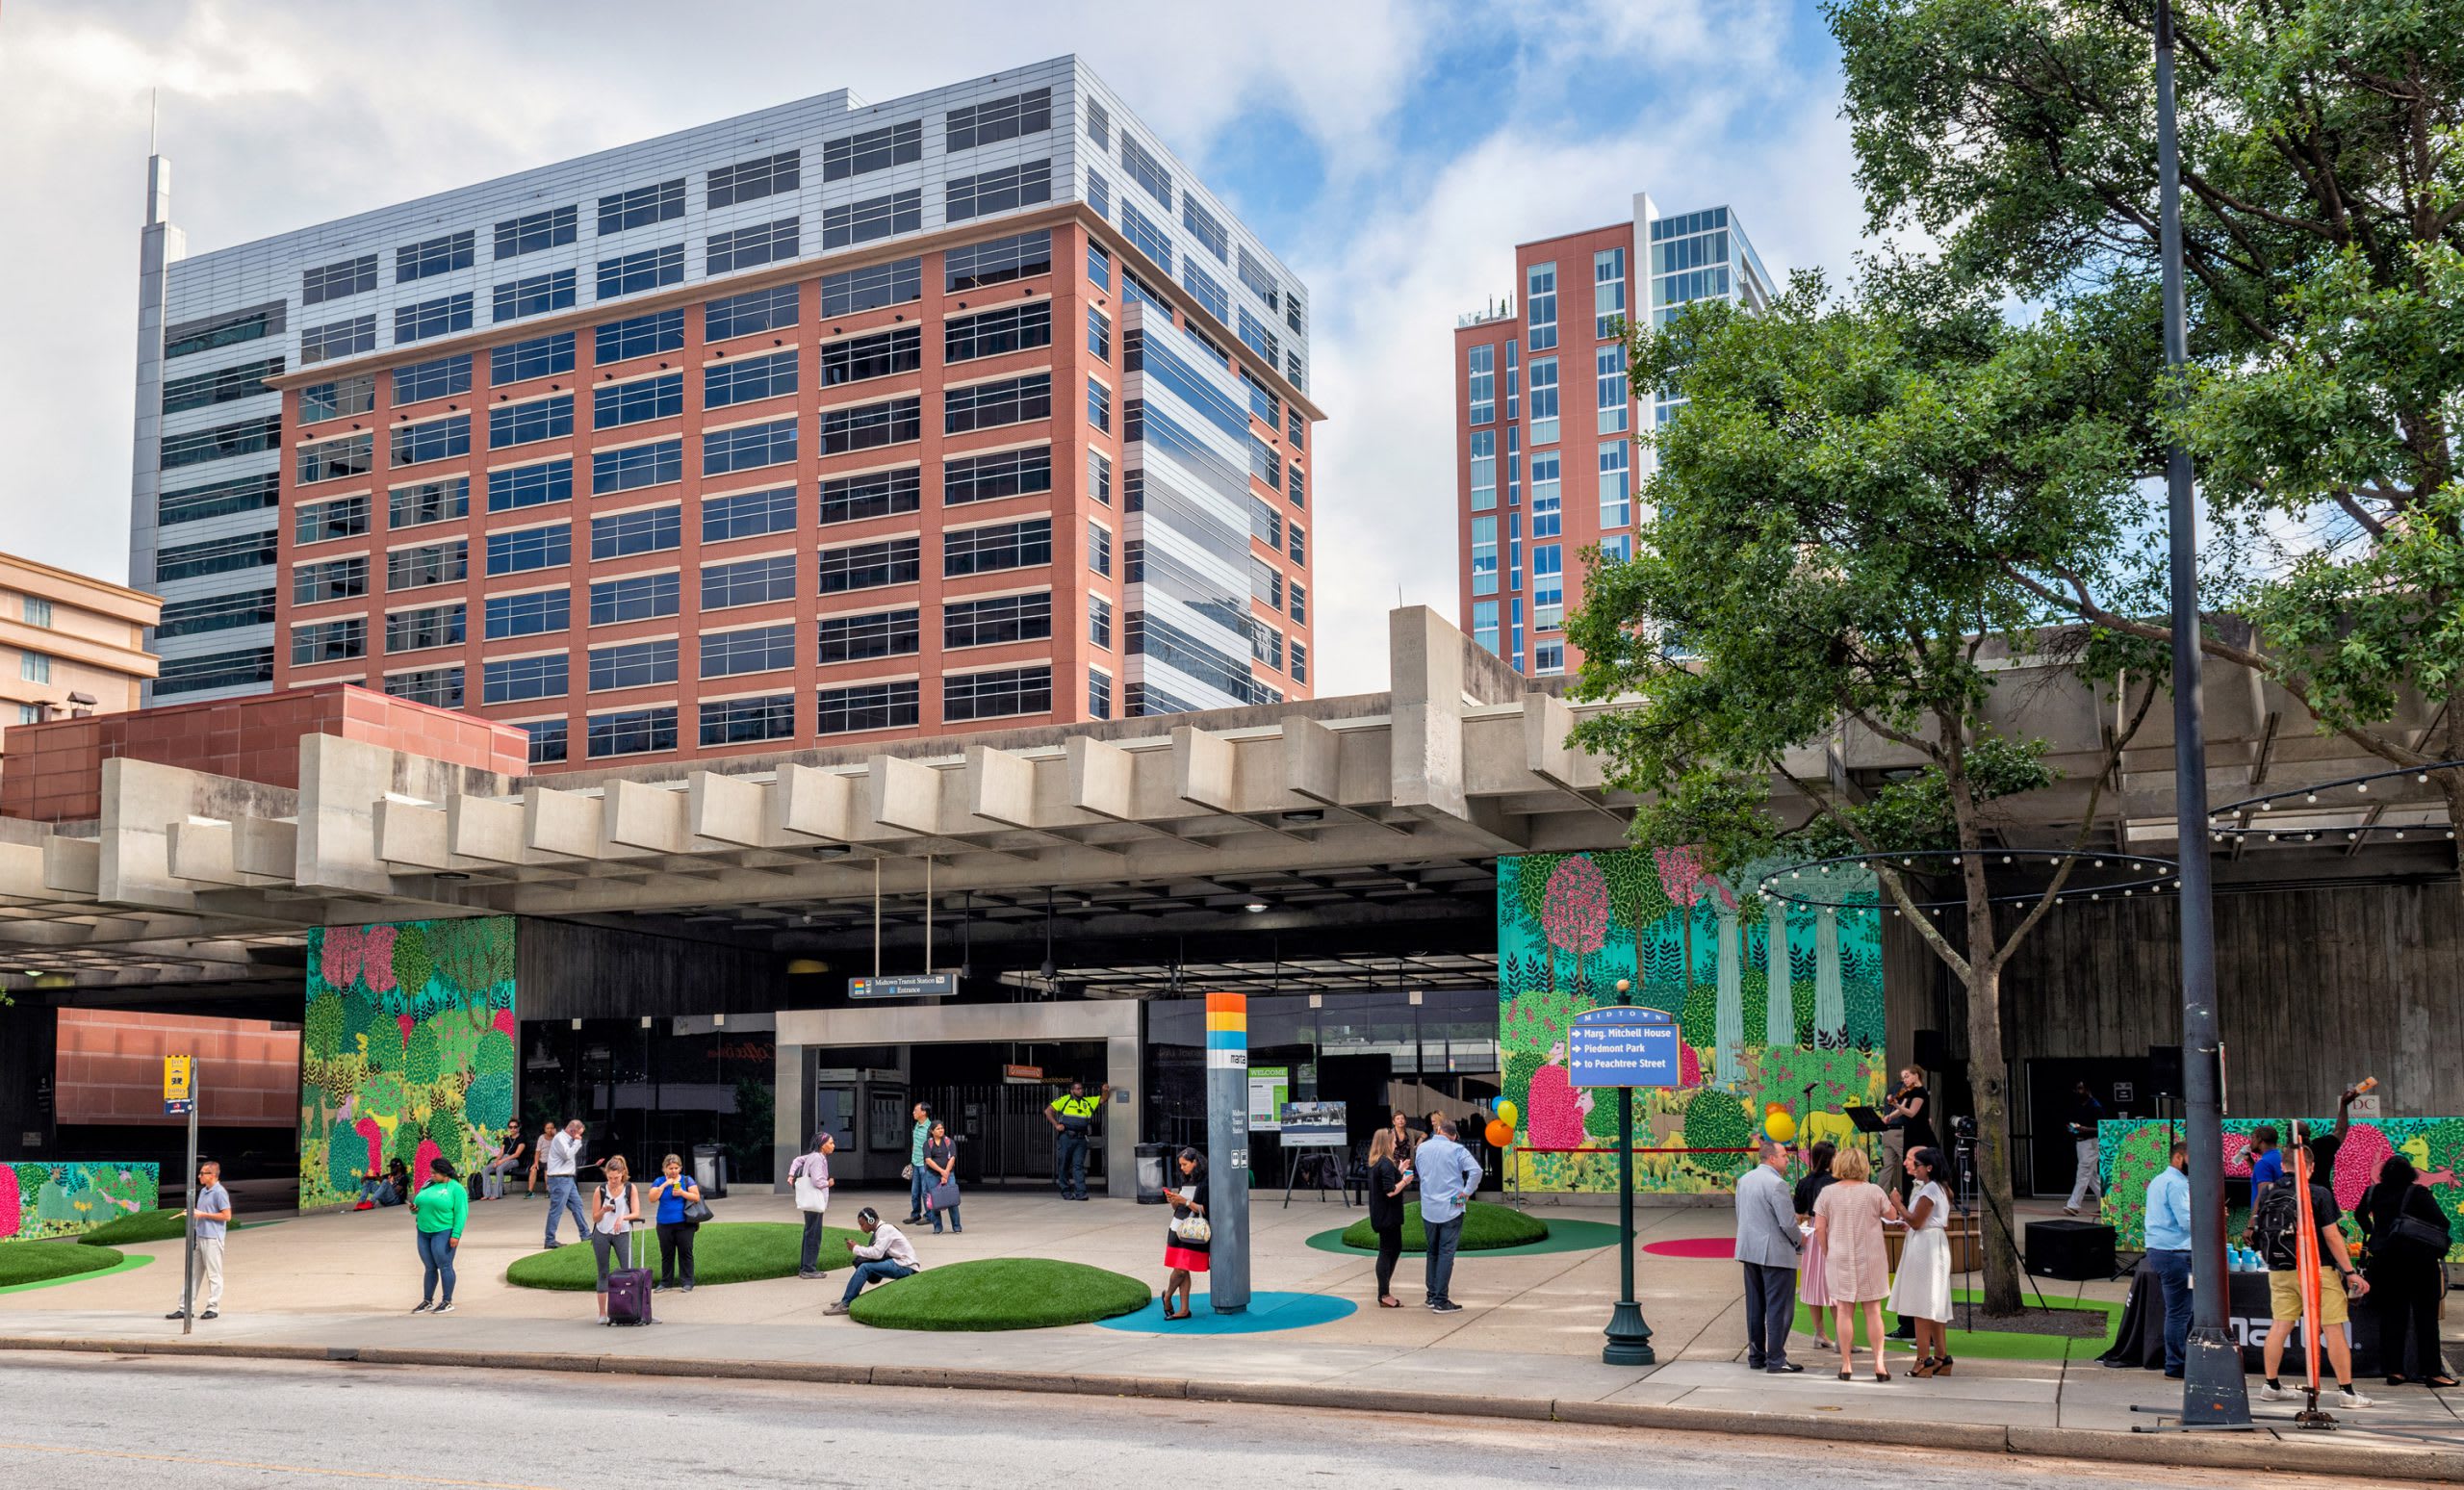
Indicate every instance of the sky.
{"type": "Point", "coordinates": [1391, 151]}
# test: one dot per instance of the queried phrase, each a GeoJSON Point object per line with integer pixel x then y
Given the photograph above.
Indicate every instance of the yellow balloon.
{"type": "Point", "coordinates": [1507, 1114]}
{"type": "Point", "coordinates": [1781, 1127]}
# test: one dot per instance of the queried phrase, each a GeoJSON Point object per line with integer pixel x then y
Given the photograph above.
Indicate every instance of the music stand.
{"type": "Point", "coordinates": [1866, 1119]}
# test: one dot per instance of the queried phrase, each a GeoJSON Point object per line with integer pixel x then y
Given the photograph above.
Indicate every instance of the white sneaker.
{"type": "Point", "coordinates": [2279, 1394]}
{"type": "Point", "coordinates": [2349, 1398]}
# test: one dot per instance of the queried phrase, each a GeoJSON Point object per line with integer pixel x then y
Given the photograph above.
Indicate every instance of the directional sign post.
{"type": "Point", "coordinates": [179, 1099]}
{"type": "Point", "coordinates": [1625, 1047]}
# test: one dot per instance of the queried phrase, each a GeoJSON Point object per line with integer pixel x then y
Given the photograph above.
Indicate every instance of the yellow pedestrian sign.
{"type": "Point", "coordinates": [179, 1096]}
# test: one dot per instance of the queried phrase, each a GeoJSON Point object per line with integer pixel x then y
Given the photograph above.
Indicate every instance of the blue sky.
{"type": "Point", "coordinates": [1392, 151]}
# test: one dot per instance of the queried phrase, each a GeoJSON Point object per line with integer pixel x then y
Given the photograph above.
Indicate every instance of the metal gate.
{"type": "Point", "coordinates": [1001, 1135]}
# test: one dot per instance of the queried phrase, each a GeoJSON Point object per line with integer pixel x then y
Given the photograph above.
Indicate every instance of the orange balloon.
{"type": "Point", "coordinates": [1499, 1132]}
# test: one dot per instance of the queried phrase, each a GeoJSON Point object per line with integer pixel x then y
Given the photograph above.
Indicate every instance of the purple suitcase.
{"type": "Point", "coordinates": [628, 1289]}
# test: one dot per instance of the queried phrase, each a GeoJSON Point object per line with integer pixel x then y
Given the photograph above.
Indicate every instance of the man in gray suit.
{"type": "Point", "coordinates": [1767, 1244]}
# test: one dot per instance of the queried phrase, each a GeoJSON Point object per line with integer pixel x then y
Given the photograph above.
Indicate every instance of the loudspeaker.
{"type": "Point", "coordinates": [2165, 1070]}
{"type": "Point", "coordinates": [2076, 1251]}
{"type": "Point", "coordinates": [1931, 1056]}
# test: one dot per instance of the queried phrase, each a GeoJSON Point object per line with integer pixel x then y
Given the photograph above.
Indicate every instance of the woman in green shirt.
{"type": "Point", "coordinates": [437, 1214]}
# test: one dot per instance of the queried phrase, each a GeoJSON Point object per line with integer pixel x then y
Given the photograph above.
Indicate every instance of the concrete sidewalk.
{"type": "Point", "coordinates": [1526, 1345]}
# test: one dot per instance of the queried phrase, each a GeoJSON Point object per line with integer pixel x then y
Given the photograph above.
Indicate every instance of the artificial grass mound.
{"type": "Point", "coordinates": [724, 1252]}
{"type": "Point", "coordinates": [1485, 1227]}
{"type": "Point", "coordinates": [143, 1226]}
{"type": "Point", "coordinates": [1001, 1293]}
{"type": "Point", "coordinates": [36, 1262]}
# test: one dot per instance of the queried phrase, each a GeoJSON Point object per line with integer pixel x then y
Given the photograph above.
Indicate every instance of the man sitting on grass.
{"type": "Point", "coordinates": [885, 1259]}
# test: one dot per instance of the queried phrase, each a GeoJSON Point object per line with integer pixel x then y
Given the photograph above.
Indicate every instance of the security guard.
{"type": "Point", "coordinates": [1072, 1119]}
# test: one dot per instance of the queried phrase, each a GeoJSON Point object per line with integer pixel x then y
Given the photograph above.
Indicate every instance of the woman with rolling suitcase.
{"type": "Point", "coordinates": [615, 1209]}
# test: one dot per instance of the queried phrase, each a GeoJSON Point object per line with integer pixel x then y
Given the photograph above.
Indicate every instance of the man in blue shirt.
{"type": "Point", "coordinates": [2169, 1251]}
{"type": "Point", "coordinates": [1448, 1175]}
{"type": "Point", "coordinates": [211, 1219]}
{"type": "Point", "coordinates": [2267, 1161]}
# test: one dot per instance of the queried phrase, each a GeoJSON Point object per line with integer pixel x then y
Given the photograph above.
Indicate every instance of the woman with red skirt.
{"type": "Point", "coordinates": [1185, 1241]}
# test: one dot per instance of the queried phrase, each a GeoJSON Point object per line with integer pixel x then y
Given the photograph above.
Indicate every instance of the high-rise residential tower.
{"type": "Point", "coordinates": [1545, 457]}
{"type": "Point", "coordinates": [834, 421]}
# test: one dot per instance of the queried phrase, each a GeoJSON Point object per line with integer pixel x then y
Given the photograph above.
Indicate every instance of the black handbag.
{"type": "Point", "coordinates": [2424, 1235]}
{"type": "Point", "coordinates": [697, 1212]}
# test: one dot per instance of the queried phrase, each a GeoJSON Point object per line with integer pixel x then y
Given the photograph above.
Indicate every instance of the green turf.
{"type": "Point", "coordinates": [1001, 1293]}
{"type": "Point", "coordinates": [1486, 1227]}
{"type": "Point", "coordinates": [36, 1262]}
{"type": "Point", "coordinates": [1565, 1234]}
{"type": "Point", "coordinates": [724, 1252]}
{"type": "Point", "coordinates": [1999, 1345]}
{"type": "Point", "coordinates": [143, 1226]}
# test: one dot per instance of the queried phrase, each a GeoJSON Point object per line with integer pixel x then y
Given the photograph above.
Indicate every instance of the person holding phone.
{"type": "Point", "coordinates": [941, 1162]}
{"type": "Point", "coordinates": [615, 1209]}
{"type": "Point", "coordinates": [675, 1191]}
{"type": "Point", "coordinates": [1184, 1247]}
{"type": "Point", "coordinates": [438, 1214]}
{"type": "Point", "coordinates": [810, 1175]}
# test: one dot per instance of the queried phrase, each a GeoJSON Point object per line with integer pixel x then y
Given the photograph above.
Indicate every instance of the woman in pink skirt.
{"type": "Point", "coordinates": [1848, 1227]}
{"type": "Point", "coordinates": [1814, 1287]}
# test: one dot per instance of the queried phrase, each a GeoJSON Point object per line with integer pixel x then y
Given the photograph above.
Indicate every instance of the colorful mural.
{"type": "Point", "coordinates": [2132, 1151]}
{"type": "Point", "coordinates": [40, 1201]}
{"type": "Point", "coordinates": [1706, 949]}
{"type": "Point", "coordinates": [408, 1051]}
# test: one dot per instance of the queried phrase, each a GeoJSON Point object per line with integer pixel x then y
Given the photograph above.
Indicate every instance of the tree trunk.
{"type": "Point", "coordinates": [1728, 1023]}
{"type": "Point", "coordinates": [1990, 1086]}
{"type": "Point", "coordinates": [1779, 999]}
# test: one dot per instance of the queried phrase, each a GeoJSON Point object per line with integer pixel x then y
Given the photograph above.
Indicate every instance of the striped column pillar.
{"type": "Point", "coordinates": [1227, 1150]}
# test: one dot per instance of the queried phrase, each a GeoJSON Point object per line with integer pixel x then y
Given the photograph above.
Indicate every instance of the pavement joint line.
{"type": "Point", "coordinates": [2259, 1451]}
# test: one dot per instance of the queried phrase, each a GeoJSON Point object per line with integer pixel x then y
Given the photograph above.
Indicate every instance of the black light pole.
{"type": "Point", "coordinates": [2213, 1391]}
{"type": "Point", "coordinates": [1629, 1339]}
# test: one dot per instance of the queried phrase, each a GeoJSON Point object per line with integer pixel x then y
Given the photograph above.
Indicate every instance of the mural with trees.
{"type": "Point", "coordinates": [407, 1052]}
{"type": "Point", "coordinates": [1770, 999]}
{"type": "Point", "coordinates": [41, 1200]}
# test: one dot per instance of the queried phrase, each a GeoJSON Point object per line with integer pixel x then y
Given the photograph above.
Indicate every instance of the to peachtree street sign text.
{"type": "Point", "coordinates": [1622, 1047]}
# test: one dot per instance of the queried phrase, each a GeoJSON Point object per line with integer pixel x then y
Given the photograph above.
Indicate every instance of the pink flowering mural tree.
{"type": "Point", "coordinates": [1574, 914]}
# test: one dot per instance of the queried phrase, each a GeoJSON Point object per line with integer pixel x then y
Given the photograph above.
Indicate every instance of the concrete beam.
{"type": "Point", "coordinates": [1203, 769]}
{"type": "Point", "coordinates": [1426, 738]}
{"type": "Point", "coordinates": [903, 794]}
{"type": "Point", "coordinates": [727, 810]}
{"type": "Point", "coordinates": [486, 827]}
{"type": "Point", "coordinates": [814, 804]}
{"type": "Point", "coordinates": [1103, 778]}
{"type": "Point", "coordinates": [1001, 786]}
{"type": "Point", "coordinates": [414, 834]}
{"type": "Point", "coordinates": [1312, 760]}
{"type": "Point", "coordinates": [562, 824]}
{"type": "Point", "coordinates": [651, 819]}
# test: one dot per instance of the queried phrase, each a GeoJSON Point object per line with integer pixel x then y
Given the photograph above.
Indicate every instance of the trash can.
{"type": "Point", "coordinates": [710, 1171]}
{"type": "Point", "coordinates": [1151, 1159]}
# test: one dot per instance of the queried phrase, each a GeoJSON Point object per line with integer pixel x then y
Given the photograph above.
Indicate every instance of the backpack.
{"type": "Point", "coordinates": [2278, 1221]}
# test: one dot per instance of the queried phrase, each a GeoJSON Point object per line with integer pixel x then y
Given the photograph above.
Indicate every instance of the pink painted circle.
{"type": "Point", "coordinates": [1705, 1248]}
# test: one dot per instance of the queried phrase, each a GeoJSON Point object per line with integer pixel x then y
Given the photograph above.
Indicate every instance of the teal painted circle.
{"type": "Point", "coordinates": [1564, 1236]}
{"type": "Point", "coordinates": [1266, 1312]}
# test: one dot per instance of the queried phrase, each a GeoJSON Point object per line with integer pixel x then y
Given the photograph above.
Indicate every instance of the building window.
{"type": "Point", "coordinates": [416, 630]}
{"type": "Point", "coordinates": [1021, 256]}
{"type": "Point", "coordinates": [440, 378]}
{"type": "Point", "coordinates": [871, 426]}
{"type": "Point", "coordinates": [1099, 694]}
{"type": "Point", "coordinates": [636, 466]}
{"type": "Point", "coordinates": [1260, 279]}
{"type": "Point", "coordinates": [1146, 171]}
{"type": "Point", "coordinates": [750, 248]}
{"type": "Point", "coordinates": [1485, 555]}
{"type": "Point", "coordinates": [247, 438]}
{"type": "Point", "coordinates": [1001, 118]}
{"type": "Point", "coordinates": [1616, 494]}
{"type": "Point", "coordinates": [1099, 265]}
{"type": "Point", "coordinates": [1612, 381]}
{"type": "Point", "coordinates": [1484, 470]}
{"type": "Point", "coordinates": [880, 633]}
{"type": "Point", "coordinates": [1607, 293]}
{"type": "Point", "coordinates": [746, 721]}
{"type": "Point", "coordinates": [642, 531]}
{"type": "Point", "coordinates": [219, 499]}
{"type": "Point", "coordinates": [541, 356]}
{"type": "Point", "coordinates": [338, 339]}
{"type": "Point", "coordinates": [429, 502]}
{"type": "Point", "coordinates": [1547, 515]}
{"type": "Point", "coordinates": [994, 622]}
{"type": "Point", "coordinates": [1002, 473]}
{"type": "Point", "coordinates": [1484, 624]}
{"type": "Point", "coordinates": [1540, 305]}
{"type": "Point", "coordinates": [1544, 400]}
{"type": "Point", "coordinates": [336, 282]}
{"type": "Point", "coordinates": [529, 615]}
{"type": "Point", "coordinates": [432, 318]}
{"type": "Point", "coordinates": [1300, 548]}
{"type": "Point", "coordinates": [320, 522]}
{"type": "Point", "coordinates": [222, 385]}
{"type": "Point", "coordinates": [755, 310]}
{"type": "Point", "coordinates": [242, 669]}
{"type": "Point", "coordinates": [637, 598]}
{"type": "Point", "coordinates": [875, 149]}
{"type": "Point", "coordinates": [641, 207]}
{"type": "Point", "coordinates": [615, 405]}
{"type": "Point", "coordinates": [899, 350]}
{"type": "Point", "coordinates": [872, 287]}
{"type": "Point", "coordinates": [997, 695]}
{"type": "Point", "coordinates": [888, 705]}
{"type": "Point", "coordinates": [1099, 622]}
{"type": "Point", "coordinates": [882, 216]}
{"type": "Point", "coordinates": [35, 668]}
{"type": "Point", "coordinates": [526, 423]}
{"type": "Point", "coordinates": [436, 256]}
{"type": "Point", "coordinates": [1099, 548]}
{"type": "Point", "coordinates": [351, 455]}
{"type": "Point", "coordinates": [748, 449]}
{"type": "Point", "coordinates": [437, 439]}
{"type": "Point", "coordinates": [530, 486]}
{"type": "Point", "coordinates": [751, 180]}
{"type": "Point", "coordinates": [635, 731]}
{"type": "Point", "coordinates": [438, 686]}
{"type": "Point", "coordinates": [871, 494]}
{"type": "Point", "coordinates": [764, 649]}
{"type": "Point", "coordinates": [539, 230]}
{"type": "Point", "coordinates": [1099, 477]}
{"type": "Point", "coordinates": [648, 269]}
{"type": "Point", "coordinates": [993, 332]}
{"type": "Point", "coordinates": [534, 295]}
{"type": "Point", "coordinates": [187, 337]}
{"type": "Point", "coordinates": [434, 563]}
{"type": "Point", "coordinates": [531, 548]}
{"type": "Point", "coordinates": [318, 401]}
{"type": "Point", "coordinates": [1265, 524]}
{"type": "Point", "coordinates": [751, 581]}
{"type": "Point", "coordinates": [1482, 382]}
{"type": "Point", "coordinates": [1300, 600]}
{"type": "Point", "coordinates": [632, 665]}
{"type": "Point", "coordinates": [1004, 190]}
{"type": "Point", "coordinates": [1266, 583]}
{"type": "Point", "coordinates": [548, 739]}
{"type": "Point", "coordinates": [748, 514]}
{"type": "Point", "coordinates": [1547, 586]}
{"type": "Point", "coordinates": [518, 680]}
{"type": "Point", "coordinates": [1298, 488]}
{"type": "Point", "coordinates": [1547, 658]}
{"type": "Point", "coordinates": [35, 610]}
{"type": "Point", "coordinates": [749, 379]}
{"type": "Point", "coordinates": [1099, 406]}
{"type": "Point", "coordinates": [1007, 401]}
{"type": "Point", "coordinates": [997, 546]}
{"type": "Point", "coordinates": [641, 336]}
{"type": "Point", "coordinates": [1617, 548]}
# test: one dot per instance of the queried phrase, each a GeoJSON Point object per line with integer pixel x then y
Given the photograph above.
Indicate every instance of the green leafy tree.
{"type": "Point", "coordinates": [2322, 228]}
{"type": "Point", "coordinates": [414, 963]}
{"type": "Point", "coordinates": [1839, 509]}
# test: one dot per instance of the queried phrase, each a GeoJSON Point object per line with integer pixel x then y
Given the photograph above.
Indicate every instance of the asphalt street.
{"type": "Point", "coordinates": [106, 1423]}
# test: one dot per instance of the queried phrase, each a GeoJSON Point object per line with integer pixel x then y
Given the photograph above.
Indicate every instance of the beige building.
{"type": "Point", "coordinates": [69, 643]}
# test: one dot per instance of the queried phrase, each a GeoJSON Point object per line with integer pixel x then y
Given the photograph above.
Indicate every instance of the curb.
{"type": "Point", "coordinates": [2254, 1451]}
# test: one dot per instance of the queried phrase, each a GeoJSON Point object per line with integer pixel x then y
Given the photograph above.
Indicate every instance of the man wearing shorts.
{"type": "Point", "coordinates": [2338, 1283]}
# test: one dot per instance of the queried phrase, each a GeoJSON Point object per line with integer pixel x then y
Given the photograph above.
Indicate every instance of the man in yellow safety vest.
{"type": "Point", "coordinates": [1073, 1119]}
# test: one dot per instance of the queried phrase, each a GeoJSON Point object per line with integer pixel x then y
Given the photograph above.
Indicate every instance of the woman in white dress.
{"type": "Point", "coordinates": [1922, 1291]}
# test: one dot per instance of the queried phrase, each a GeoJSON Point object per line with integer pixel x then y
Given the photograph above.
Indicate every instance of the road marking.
{"type": "Point", "coordinates": [271, 1469]}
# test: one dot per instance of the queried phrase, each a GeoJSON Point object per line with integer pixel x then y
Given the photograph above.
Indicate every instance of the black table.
{"type": "Point", "coordinates": [2139, 1335]}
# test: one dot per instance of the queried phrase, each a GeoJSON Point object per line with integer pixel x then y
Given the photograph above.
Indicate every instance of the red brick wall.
{"type": "Point", "coordinates": [109, 1069]}
{"type": "Point", "coordinates": [53, 772]}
